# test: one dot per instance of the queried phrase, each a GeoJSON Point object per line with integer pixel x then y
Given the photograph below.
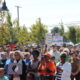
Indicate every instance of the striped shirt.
{"type": "Point", "coordinates": [59, 73]}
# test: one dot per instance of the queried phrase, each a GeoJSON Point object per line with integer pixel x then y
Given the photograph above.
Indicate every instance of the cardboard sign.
{"type": "Point", "coordinates": [49, 39]}
{"type": "Point", "coordinates": [58, 40]}
{"type": "Point", "coordinates": [15, 68]}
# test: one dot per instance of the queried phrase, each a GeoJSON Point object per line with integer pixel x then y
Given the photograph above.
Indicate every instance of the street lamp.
{"type": "Point", "coordinates": [3, 9]}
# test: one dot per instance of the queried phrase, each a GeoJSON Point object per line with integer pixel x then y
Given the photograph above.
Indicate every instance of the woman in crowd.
{"type": "Point", "coordinates": [33, 66]}
{"type": "Point", "coordinates": [63, 68]}
{"type": "Point", "coordinates": [18, 59]}
{"type": "Point", "coordinates": [47, 67]}
{"type": "Point", "coordinates": [75, 62]}
{"type": "Point", "coordinates": [9, 60]}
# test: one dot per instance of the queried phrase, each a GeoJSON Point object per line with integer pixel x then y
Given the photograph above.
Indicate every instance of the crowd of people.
{"type": "Point", "coordinates": [40, 63]}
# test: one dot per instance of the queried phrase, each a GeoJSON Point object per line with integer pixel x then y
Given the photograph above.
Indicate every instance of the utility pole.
{"type": "Point", "coordinates": [18, 14]}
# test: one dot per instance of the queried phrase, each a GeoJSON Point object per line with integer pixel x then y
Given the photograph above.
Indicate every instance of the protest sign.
{"type": "Point", "coordinates": [58, 40]}
{"type": "Point", "coordinates": [15, 68]}
{"type": "Point", "coordinates": [49, 39]}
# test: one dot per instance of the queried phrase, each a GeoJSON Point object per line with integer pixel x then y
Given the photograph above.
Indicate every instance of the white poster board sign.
{"type": "Point", "coordinates": [49, 39]}
{"type": "Point", "coordinates": [15, 68]}
{"type": "Point", "coordinates": [58, 40]}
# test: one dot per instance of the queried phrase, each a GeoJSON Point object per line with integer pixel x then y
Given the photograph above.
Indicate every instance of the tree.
{"type": "Point", "coordinates": [61, 29]}
{"type": "Point", "coordinates": [22, 36]}
{"type": "Point", "coordinates": [72, 34]}
{"type": "Point", "coordinates": [38, 31]}
{"type": "Point", "coordinates": [16, 29]}
{"type": "Point", "coordinates": [10, 27]}
{"type": "Point", "coordinates": [4, 29]}
{"type": "Point", "coordinates": [77, 33]}
{"type": "Point", "coordinates": [3, 34]}
{"type": "Point", "coordinates": [55, 30]}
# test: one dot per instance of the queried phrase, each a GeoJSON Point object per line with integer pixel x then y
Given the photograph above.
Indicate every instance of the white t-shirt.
{"type": "Point", "coordinates": [17, 78]}
{"type": "Point", "coordinates": [66, 67]}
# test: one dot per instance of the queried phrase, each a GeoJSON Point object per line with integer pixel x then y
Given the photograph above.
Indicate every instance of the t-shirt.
{"type": "Point", "coordinates": [59, 73]}
{"type": "Point", "coordinates": [75, 64]}
{"type": "Point", "coordinates": [48, 65]}
{"type": "Point", "coordinates": [4, 78]}
{"type": "Point", "coordinates": [55, 54]}
{"type": "Point", "coordinates": [68, 58]}
{"type": "Point", "coordinates": [34, 65]}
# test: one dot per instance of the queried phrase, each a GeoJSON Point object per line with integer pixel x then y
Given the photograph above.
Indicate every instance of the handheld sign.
{"type": "Point", "coordinates": [15, 68]}
{"type": "Point", "coordinates": [58, 40]}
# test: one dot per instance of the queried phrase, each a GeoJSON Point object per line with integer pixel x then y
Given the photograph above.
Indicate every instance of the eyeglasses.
{"type": "Point", "coordinates": [26, 55]}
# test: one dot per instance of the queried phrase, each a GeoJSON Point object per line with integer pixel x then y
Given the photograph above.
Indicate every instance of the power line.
{"type": "Point", "coordinates": [75, 23]}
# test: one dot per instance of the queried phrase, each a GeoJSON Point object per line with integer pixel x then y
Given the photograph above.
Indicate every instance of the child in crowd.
{"type": "Point", "coordinates": [2, 76]}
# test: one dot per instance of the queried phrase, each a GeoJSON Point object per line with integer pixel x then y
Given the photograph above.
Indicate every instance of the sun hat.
{"type": "Point", "coordinates": [47, 54]}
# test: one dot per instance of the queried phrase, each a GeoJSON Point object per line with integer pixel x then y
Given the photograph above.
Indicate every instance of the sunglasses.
{"type": "Point", "coordinates": [16, 55]}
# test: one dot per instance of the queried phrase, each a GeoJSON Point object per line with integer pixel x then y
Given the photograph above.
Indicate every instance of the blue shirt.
{"type": "Point", "coordinates": [9, 61]}
{"type": "Point", "coordinates": [27, 61]}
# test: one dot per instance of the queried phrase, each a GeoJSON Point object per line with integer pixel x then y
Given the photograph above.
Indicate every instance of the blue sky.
{"type": "Point", "coordinates": [50, 11]}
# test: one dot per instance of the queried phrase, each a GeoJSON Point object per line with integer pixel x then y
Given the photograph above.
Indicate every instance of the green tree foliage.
{"type": "Point", "coordinates": [77, 33]}
{"type": "Point", "coordinates": [58, 29]}
{"type": "Point", "coordinates": [55, 30]}
{"type": "Point", "coordinates": [10, 28]}
{"type": "Point", "coordinates": [72, 34]}
{"type": "Point", "coordinates": [11, 32]}
{"type": "Point", "coordinates": [38, 31]}
{"type": "Point", "coordinates": [3, 34]}
{"type": "Point", "coordinates": [61, 29]}
{"type": "Point", "coordinates": [22, 36]}
{"type": "Point", "coordinates": [15, 26]}
{"type": "Point", "coordinates": [4, 29]}
{"type": "Point", "coordinates": [15, 30]}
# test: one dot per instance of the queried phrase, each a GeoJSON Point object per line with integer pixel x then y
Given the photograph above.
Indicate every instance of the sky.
{"type": "Point", "coordinates": [51, 12]}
